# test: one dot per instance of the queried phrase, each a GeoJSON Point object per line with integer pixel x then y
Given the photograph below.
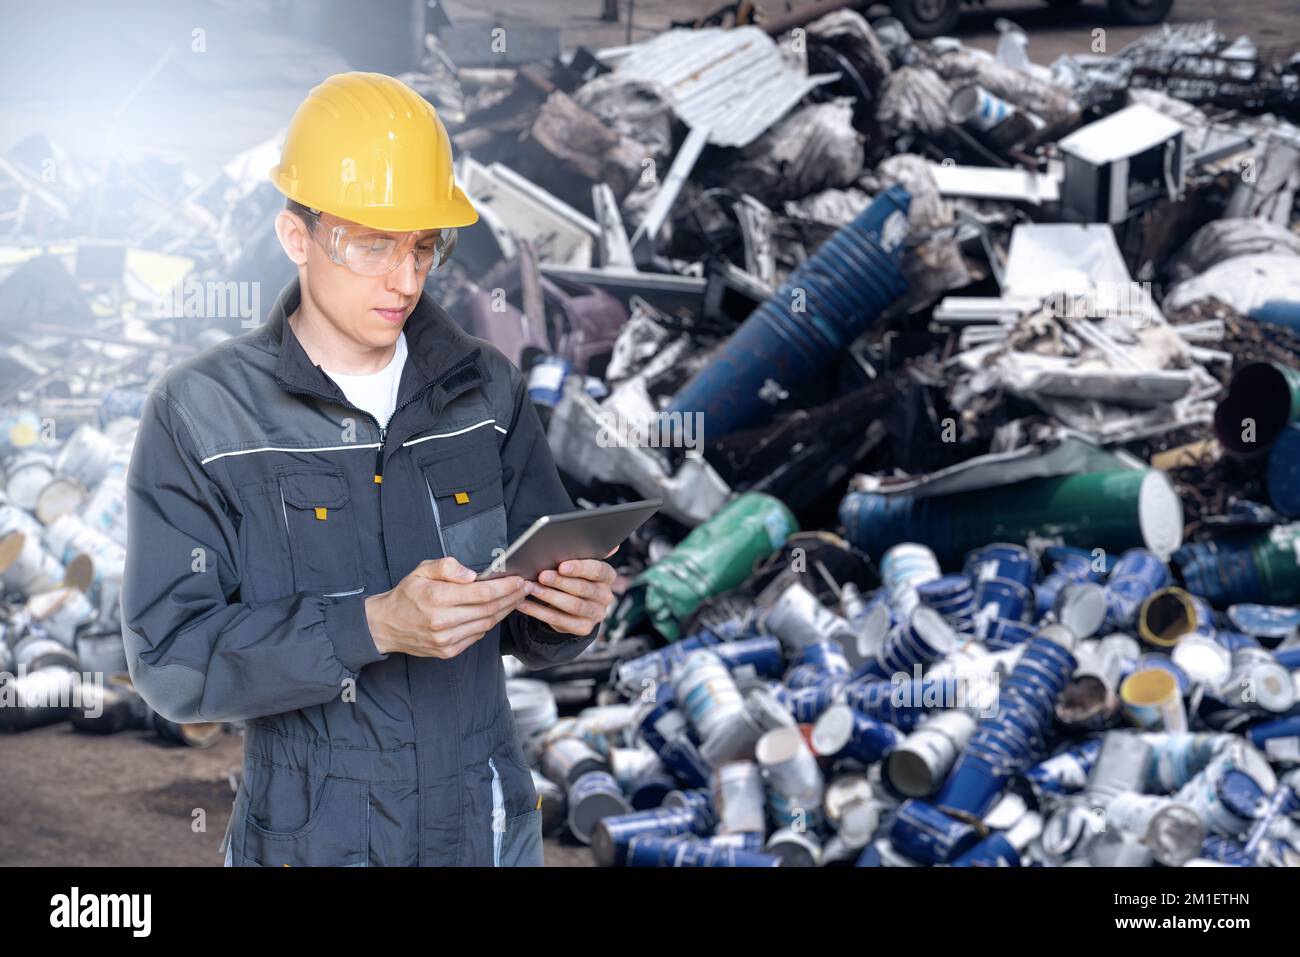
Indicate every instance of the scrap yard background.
{"type": "Point", "coordinates": [1030, 282]}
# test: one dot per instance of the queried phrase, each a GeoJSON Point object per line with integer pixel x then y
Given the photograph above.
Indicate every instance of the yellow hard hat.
{"type": "Point", "coordinates": [368, 148]}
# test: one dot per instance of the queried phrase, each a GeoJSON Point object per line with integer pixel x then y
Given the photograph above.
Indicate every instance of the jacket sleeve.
{"type": "Point", "coordinates": [195, 652]}
{"type": "Point", "coordinates": [533, 489]}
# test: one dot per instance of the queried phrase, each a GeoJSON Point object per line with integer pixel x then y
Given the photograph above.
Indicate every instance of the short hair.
{"type": "Point", "coordinates": [303, 212]}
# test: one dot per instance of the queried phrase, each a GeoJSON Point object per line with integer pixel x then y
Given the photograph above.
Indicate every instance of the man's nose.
{"type": "Point", "coordinates": [405, 278]}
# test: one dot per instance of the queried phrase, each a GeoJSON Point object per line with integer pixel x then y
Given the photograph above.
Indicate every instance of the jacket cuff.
{"type": "Point", "coordinates": [347, 628]}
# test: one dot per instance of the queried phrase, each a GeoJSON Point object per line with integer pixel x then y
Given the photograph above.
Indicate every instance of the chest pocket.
{"type": "Point", "coordinates": [468, 503]}
{"type": "Point", "coordinates": [322, 525]}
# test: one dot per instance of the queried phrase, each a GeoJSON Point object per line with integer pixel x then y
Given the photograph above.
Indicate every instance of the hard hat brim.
{"type": "Point", "coordinates": [456, 212]}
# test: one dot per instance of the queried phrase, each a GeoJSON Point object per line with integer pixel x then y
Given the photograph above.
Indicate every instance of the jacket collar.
{"type": "Point", "coordinates": [435, 346]}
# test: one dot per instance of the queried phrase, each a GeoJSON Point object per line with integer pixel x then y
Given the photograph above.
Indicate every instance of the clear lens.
{"type": "Point", "coordinates": [374, 254]}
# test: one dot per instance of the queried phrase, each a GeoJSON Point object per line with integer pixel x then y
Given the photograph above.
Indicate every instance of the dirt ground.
{"type": "Point", "coordinates": [130, 800]}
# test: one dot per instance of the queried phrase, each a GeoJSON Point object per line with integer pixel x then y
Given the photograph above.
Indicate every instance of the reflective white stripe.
{"type": "Point", "coordinates": [273, 448]}
{"type": "Point", "coordinates": [447, 435]}
{"type": "Point", "coordinates": [368, 445]}
{"type": "Point", "coordinates": [498, 814]}
{"type": "Point", "coordinates": [437, 519]}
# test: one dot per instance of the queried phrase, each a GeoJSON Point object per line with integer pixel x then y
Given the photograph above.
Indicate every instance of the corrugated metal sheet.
{"type": "Point", "coordinates": [732, 81]}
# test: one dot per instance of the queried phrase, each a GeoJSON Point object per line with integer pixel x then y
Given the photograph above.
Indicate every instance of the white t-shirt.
{"type": "Point", "coordinates": [376, 392]}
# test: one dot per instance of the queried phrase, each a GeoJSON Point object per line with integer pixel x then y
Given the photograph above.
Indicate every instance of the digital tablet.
{"type": "Point", "coordinates": [587, 533]}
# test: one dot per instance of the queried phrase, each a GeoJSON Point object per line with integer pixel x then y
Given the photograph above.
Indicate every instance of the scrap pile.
{"type": "Point", "coordinates": [969, 385]}
{"type": "Point", "coordinates": [940, 362]}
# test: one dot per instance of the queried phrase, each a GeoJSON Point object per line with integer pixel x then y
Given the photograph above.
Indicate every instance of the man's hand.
{"type": "Point", "coordinates": [577, 595]}
{"type": "Point", "coordinates": [439, 610]}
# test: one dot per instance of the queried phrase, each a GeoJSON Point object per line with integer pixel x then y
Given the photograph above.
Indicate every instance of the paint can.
{"type": "Point", "coordinates": [1070, 568]}
{"type": "Point", "coordinates": [1151, 699]}
{"type": "Point", "coordinates": [1279, 739]}
{"type": "Point", "coordinates": [105, 511]}
{"type": "Point", "coordinates": [853, 809]}
{"type": "Point", "coordinates": [1231, 790]}
{"type": "Point", "coordinates": [1001, 634]}
{"type": "Point", "coordinates": [61, 612]}
{"type": "Point", "coordinates": [700, 802]}
{"type": "Point", "coordinates": [1265, 395]}
{"type": "Point", "coordinates": [533, 706]}
{"type": "Point", "coordinates": [1270, 624]}
{"type": "Point", "coordinates": [1002, 561]}
{"type": "Point", "coordinates": [612, 836]}
{"type": "Point", "coordinates": [1177, 758]}
{"type": "Point", "coordinates": [25, 475]}
{"type": "Point", "coordinates": [1138, 574]}
{"type": "Point", "coordinates": [842, 732]}
{"type": "Point", "coordinates": [1169, 614]}
{"type": "Point", "coordinates": [795, 848]}
{"type": "Point", "coordinates": [976, 108]}
{"type": "Point", "coordinates": [903, 568]}
{"type": "Point", "coordinates": [567, 758]}
{"type": "Point", "coordinates": [1172, 831]}
{"type": "Point", "coordinates": [652, 851]}
{"type": "Point", "coordinates": [546, 380]}
{"type": "Point", "coordinates": [715, 708]}
{"type": "Point", "coordinates": [1081, 607]}
{"type": "Point", "coordinates": [1205, 660]}
{"type": "Point", "coordinates": [798, 619]}
{"type": "Point", "coordinates": [794, 781]}
{"type": "Point", "coordinates": [60, 496]}
{"type": "Point", "coordinates": [924, 639]}
{"type": "Point", "coordinates": [19, 430]}
{"type": "Point", "coordinates": [628, 765]}
{"type": "Point", "coordinates": [922, 761]}
{"type": "Point", "coordinates": [25, 566]}
{"type": "Point", "coordinates": [1002, 598]}
{"type": "Point", "coordinates": [1063, 773]}
{"type": "Point", "coordinates": [923, 832]}
{"type": "Point", "coordinates": [849, 281]}
{"type": "Point", "coordinates": [1258, 683]}
{"type": "Point", "coordinates": [593, 796]}
{"type": "Point", "coordinates": [738, 798]}
{"type": "Point", "coordinates": [88, 456]}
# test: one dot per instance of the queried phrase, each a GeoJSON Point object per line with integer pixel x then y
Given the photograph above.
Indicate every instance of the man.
{"type": "Point", "coordinates": [308, 505]}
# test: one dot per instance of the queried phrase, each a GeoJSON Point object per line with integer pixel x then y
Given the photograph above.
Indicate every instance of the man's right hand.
{"type": "Point", "coordinates": [439, 610]}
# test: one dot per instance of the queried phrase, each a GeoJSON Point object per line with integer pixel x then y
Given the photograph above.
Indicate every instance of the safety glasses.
{"type": "Point", "coordinates": [370, 252]}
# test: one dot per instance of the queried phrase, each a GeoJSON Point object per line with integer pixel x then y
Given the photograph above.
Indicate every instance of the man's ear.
{"type": "Point", "coordinates": [293, 236]}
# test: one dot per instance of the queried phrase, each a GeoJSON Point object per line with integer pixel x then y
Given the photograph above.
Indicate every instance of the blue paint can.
{"type": "Point", "coordinates": [546, 380]}
{"type": "Point", "coordinates": [827, 656]}
{"type": "Point", "coordinates": [843, 732]}
{"type": "Point", "coordinates": [1269, 623]}
{"type": "Point", "coordinates": [807, 704]}
{"type": "Point", "coordinates": [824, 304]}
{"type": "Point", "coordinates": [612, 835]}
{"type": "Point", "coordinates": [923, 832]}
{"type": "Point", "coordinates": [762, 652]}
{"type": "Point", "coordinates": [1063, 773]}
{"type": "Point", "coordinates": [1284, 472]}
{"type": "Point", "coordinates": [1004, 561]}
{"type": "Point", "coordinates": [593, 797]}
{"type": "Point", "coordinates": [1002, 634]}
{"type": "Point", "coordinates": [1003, 598]}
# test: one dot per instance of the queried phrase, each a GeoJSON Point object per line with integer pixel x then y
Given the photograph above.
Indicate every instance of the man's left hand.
{"type": "Point", "coordinates": [577, 596]}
